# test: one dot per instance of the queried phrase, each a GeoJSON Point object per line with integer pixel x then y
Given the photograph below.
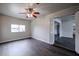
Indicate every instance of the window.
{"type": "Point", "coordinates": [17, 28]}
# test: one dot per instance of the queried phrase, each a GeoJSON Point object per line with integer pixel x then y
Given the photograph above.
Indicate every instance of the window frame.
{"type": "Point", "coordinates": [18, 28]}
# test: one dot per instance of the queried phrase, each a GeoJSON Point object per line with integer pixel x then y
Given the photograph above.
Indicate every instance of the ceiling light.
{"type": "Point", "coordinates": [29, 15]}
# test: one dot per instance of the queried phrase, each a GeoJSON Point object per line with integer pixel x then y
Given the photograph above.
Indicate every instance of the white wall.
{"type": "Point", "coordinates": [0, 31]}
{"type": "Point", "coordinates": [77, 32]}
{"type": "Point", "coordinates": [67, 26]}
{"type": "Point", "coordinates": [7, 35]}
{"type": "Point", "coordinates": [40, 29]}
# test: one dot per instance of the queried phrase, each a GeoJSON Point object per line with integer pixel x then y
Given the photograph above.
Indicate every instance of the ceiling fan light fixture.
{"type": "Point", "coordinates": [29, 15]}
{"type": "Point", "coordinates": [31, 11]}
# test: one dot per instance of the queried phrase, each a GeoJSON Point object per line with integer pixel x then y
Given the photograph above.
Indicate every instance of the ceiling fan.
{"type": "Point", "coordinates": [30, 11]}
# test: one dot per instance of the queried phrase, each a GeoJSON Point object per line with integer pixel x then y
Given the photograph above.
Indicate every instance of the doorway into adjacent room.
{"type": "Point", "coordinates": [64, 32]}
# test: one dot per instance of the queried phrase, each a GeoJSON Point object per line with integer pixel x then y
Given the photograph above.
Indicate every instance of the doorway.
{"type": "Point", "coordinates": [64, 32]}
{"type": "Point", "coordinates": [57, 30]}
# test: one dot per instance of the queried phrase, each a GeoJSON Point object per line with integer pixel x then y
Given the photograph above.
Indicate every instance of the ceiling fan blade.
{"type": "Point", "coordinates": [34, 16]}
{"type": "Point", "coordinates": [36, 13]}
{"type": "Point", "coordinates": [26, 9]}
{"type": "Point", "coordinates": [22, 13]}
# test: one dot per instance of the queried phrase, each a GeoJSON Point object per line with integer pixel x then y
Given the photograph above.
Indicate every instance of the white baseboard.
{"type": "Point", "coordinates": [41, 40]}
{"type": "Point", "coordinates": [13, 40]}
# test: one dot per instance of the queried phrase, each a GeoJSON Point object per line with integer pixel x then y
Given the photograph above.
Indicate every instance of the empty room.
{"type": "Point", "coordinates": [39, 29]}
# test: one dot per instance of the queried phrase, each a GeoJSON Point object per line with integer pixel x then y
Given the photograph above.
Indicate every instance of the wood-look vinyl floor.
{"type": "Point", "coordinates": [32, 47]}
